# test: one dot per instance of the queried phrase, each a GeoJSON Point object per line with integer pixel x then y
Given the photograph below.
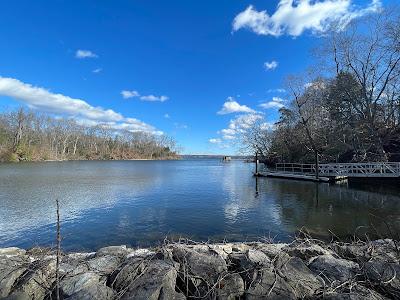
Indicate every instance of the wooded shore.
{"type": "Point", "coordinates": [27, 135]}
{"type": "Point", "coordinates": [305, 268]}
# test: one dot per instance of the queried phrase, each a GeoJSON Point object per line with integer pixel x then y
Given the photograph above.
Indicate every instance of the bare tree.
{"type": "Point", "coordinates": [369, 50]}
{"type": "Point", "coordinates": [307, 99]}
{"type": "Point", "coordinates": [27, 135]}
{"type": "Point", "coordinates": [255, 138]}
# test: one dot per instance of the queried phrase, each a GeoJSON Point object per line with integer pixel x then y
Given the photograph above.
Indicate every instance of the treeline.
{"type": "Point", "coordinates": [335, 120]}
{"type": "Point", "coordinates": [30, 136]}
{"type": "Point", "coordinates": [349, 110]}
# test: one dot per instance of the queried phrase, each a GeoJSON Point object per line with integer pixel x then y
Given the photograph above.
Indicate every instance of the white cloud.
{"type": "Point", "coordinates": [167, 116]}
{"type": "Point", "coordinates": [276, 102]}
{"type": "Point", "coordinates": [46, 101]}
{"type": "Point", "coordinates": [98, 70]}
{"type": "Point", "coordinates": [215, 141]}
{"type": "Point", "coordinates": [153, 98]}
{"type": "Point", "coordinates": [228, 131]}
{"type": "Point", "coordinates": [180, 126]}
{"type": "Point", "coordinates": [232, 106]}
{"type": "Point", "coordinates": [129, 94]}
{"type": "Point", "coordinates": [293, 17]}
{"type": "Point", "coordinates": [85, 54]}
{"type": "Point", "coordinates": [272, 65]}
{"type": "Point", "coordinates": [228, 137]}
{"type": "Point", "coordinates": [276, 91]}
{"type": "Point", "coordinates": [239, 124]}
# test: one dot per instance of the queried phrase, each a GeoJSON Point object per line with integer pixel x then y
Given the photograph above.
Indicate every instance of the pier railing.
{"type": "Point", "coordinates": [373, 169]}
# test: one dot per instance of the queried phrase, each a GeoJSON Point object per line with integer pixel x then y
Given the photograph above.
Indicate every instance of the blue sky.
{"type": "Point", "coordinates": [75, 58]}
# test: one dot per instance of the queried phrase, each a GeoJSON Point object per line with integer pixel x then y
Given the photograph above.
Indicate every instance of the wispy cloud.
{"type": "Point", "coordinates": [167, 116]}
{"type": "Point", "coordinates": [276, 103]}
{"type": "Point", "coordinates": [126, 94]}
{"type": "Point", "coordinates": [98, 70]}
{"type": "Point", "coordinates": [276, 91]}
{"type": "Point", "coordinates": [293, 17]}
{"type": "Point", "coordinates": [46, 101]}
{"type": "Point", "coordinates": [215, 141]}
{"type": "Point", "coordinates": [180, 126]}
{"type": "Point", "coordinates": [85, 54]}
{"type": "Point", "coordinates": [232, 106]}
{"type": "Point", "coordinates": [152, 98]}
{"type": "Point", "coordinates": [129, 94]}
{"type": "Point", "coordinates": [272, 65]}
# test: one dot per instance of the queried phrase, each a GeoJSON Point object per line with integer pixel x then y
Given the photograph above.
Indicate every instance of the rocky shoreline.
{"type": "Point", "coordinates": [305, 268]}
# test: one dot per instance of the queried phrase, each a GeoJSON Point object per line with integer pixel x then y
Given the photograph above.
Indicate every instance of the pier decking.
{"type": "Point", "coordinates": [292, 176]}
{"type": "Point", "coordinates": [334, 172]}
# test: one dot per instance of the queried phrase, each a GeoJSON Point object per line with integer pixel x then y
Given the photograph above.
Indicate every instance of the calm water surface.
{"type": "Point", "coordinates": [138, 203]}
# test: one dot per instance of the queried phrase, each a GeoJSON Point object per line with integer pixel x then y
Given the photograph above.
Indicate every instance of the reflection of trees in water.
{"type": "Point", "coordinates": [376, 185]}
{"type": "Point", "coordinates": [321, 208]}
{"type": "Point", "coordinates": [245, 200]}
{"type": "Point", "coordinates": [80, 186]}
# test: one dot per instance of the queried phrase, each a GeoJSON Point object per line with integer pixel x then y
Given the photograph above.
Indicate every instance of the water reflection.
{"type": "Point", "coordinates": [257, 190]}
{"type": "Point", "coordinates": [139, 203]}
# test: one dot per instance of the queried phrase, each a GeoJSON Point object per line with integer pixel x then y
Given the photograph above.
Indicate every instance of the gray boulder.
{"type": "Point", "coordinates": [258, 257]}
{"type": "Point", "coordinates": [379, 250]}
{"type": "Point", "coordinates": [37, 281]}
{"type": "Point", "coordinates": [230, 287]}
{"type": "Point", "coordinates": [306, 251]}
{"type": "Point", "coordinates": [298, 276]}
{"type": "Point", "coordinates": [331, 268]}
{"type": "Point", "coordinates": [272, 250]}
{"type": "Point", "coordinates": [11, 268]}
{"type": "Point", "coordinates": [120, 251]}
{"type": "Point", "coordinates": [12, 251]}
{"type": "Point", "coordinates": [385, 276]}
{"type": "Point", "coordinates": [357, 292]}
{"type": "Point", "coordinates": [103, 265]}
{"type": "Point", "coordinates": [72, 284]}
{"type": "Point", "coordinates": [268, 284]}
{"type": "Point", "coordinates": [18, 296]}
{"type": "Point", "coordinates": [385, 250]}
{"type": "Point", "coordinates": [141, 279]}
{"type": "Point", "coordinates": [202, 265]}
{"type": "Point", "coordinates": [85, 286]}
{"type": "Point", "coordinates": [93, 292]}
{"type": "Point", "coordinates": [222, 250]}
{"type": "Point", "coordinates": [283, 278]}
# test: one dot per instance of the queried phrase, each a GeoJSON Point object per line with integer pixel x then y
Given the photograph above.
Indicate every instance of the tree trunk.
{"type": "Point", "coordinates": [18, 134]}
{"type": "Point", "coordinates": [75, 144]}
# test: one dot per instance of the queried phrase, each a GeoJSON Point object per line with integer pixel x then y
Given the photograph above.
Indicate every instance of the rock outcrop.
{"type": "Point", "coordinates": [303, 269]}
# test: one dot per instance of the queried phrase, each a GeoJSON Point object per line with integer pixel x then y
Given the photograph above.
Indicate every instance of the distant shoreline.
{"type": "Point", "coordinates": [179, 157]}
{"type": "Point", "coordinates": [66, 160]}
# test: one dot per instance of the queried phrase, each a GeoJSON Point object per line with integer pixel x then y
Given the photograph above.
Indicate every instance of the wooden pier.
{"type": "Point", "coordinates": [333, 172]}
{"type": "Point", "coordinates": [288, 175]}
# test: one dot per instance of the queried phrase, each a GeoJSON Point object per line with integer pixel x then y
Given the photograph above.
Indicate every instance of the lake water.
{"type": "Point", "coordinates": [138, 203]}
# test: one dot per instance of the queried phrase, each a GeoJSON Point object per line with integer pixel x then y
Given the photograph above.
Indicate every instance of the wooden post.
{"type": "Point", "coordinates": [316, 165]}
{"type": "Point", "coordinates": [257, 192]}
{"type": "Point", "coordinates": [316, 194]}
{"type": "Point", "coordinates": [256, 163]}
